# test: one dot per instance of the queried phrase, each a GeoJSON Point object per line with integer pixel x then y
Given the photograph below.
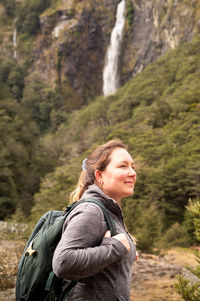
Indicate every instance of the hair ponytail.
{"type": "Point", "coordinates": [79, 190]}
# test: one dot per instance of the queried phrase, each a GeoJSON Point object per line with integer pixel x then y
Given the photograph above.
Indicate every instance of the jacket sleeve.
{"type": "Point", "coordinates": [78, 254]}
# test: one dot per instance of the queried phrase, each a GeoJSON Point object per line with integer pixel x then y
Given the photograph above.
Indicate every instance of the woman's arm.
{"type": "Point", "coordinates": [77, 254]}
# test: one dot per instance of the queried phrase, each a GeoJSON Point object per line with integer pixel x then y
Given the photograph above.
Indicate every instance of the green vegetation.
{"type": "Point", "coordinates": [10, 6]}
{"type": "Point", "coordinates": [28, 15]}
{"type": "Point", "coordinates": [41, 102]}
{"type": "Point", "coordinates": [157, 115]}
{"type": "Point", "coordinates": [23, 157]}
{"type": "Point", "coordinates": [43, 141]}
{"type": "Point", "coordinates": [129, 12]}
{"type": "Point", "coordinates": [28, 24]}
{"type": "Point", "coordinates": [191, 291]}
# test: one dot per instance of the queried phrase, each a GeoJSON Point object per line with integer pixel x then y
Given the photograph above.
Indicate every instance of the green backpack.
{"type": "Point", "coordinates": [35, 279]}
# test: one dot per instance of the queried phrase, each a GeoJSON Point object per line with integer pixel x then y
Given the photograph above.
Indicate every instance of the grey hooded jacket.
{"type": "Point", "coordinates": [101, 264]}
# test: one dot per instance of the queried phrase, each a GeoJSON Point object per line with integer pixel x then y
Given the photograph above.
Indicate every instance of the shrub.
{"type": "Point", "coordinates": [9, 258]}
{"type": "Point", "coordinates": [187, 290]}
{"type": "Point", "coordinates": [176, 235]}
{"type": "Point", "coordinates": [129, 13]}
{"type": "Point", "coordinates": [28, 15]}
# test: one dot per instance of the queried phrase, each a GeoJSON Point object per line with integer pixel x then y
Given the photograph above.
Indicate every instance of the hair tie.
{"type": "Point", "coordinates": [84, 168]}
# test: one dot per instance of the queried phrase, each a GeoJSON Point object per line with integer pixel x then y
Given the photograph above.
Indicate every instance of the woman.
{"type": "Point", "coordinates": [86, 252]}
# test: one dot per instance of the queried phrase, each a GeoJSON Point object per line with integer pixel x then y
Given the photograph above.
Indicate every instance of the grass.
{"type": "Point", "coordinates": [10, 253]}
{"type": "Point", "coordinates": [181, 256]}
{"type": "Point", "coordinates": [56, 5]}
{"type": "Point", "coordinates": [152, 286]}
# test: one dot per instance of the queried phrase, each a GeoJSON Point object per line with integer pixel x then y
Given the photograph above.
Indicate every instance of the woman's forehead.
{"type": "Point", "coordinates": [121, 154]}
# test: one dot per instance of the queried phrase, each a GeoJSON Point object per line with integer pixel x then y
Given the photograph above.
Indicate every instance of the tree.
{"type": "Point", "coordinates": [31, 23]}
{"type": "Point", "coordinates": [10, 6]}
{"type": "Point", "coordinates": [28, 16]}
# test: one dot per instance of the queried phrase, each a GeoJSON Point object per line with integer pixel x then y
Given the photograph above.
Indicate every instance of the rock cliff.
{"type": "Point", "coordinates": [156, 27]}
{"type": "Point", "coordinates": [70, 49]}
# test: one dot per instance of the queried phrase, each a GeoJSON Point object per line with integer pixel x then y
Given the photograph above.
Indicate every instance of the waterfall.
{"type": "Point", "coordinates": [111, 79]}
{"type": "Point", "coordinates": [15, 41]}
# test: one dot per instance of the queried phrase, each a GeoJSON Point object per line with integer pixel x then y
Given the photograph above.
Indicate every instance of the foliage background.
{"type": "Point", "coordinates": [190, 290]}
{"type": "Point", "coordinates": [43, 142]}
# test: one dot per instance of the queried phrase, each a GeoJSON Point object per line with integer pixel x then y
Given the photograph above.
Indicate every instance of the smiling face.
{"type": "Point", "coordinates": [119, 177]}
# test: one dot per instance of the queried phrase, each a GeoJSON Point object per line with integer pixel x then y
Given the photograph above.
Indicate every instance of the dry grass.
{"type": "Point", "coordinates": [161, 288]}
{"type": "Point", "coordinates": [156, 289]}
{"type": "Point", "coordinates": [153, 288]}
{"type": "Point", "coordinates": [181, 256]}
{"type": "Point", "coordinates": [10, 253]}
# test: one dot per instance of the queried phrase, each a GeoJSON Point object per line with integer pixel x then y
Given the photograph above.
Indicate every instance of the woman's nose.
{"type": "Point", "coordinates": [132, 172]}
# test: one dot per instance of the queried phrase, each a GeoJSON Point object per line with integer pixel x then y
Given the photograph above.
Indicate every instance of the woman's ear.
{"type": "Point", "coordinates": [98, 176]}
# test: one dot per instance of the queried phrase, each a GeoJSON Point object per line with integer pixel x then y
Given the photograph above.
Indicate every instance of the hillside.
{"type": "Point", "coordinates": [157, 115]}
{"type": "Point", "coordinates": [66, 41]}
{"type": "Point", "coordinates": [52, 112]}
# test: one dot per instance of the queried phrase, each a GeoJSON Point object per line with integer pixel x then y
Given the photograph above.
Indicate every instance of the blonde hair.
{"type": "Point", "coordinates": [97, 160]}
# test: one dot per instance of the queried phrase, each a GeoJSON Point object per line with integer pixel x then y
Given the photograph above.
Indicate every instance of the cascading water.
{"type": "Point", "coordinates": [111, 79]}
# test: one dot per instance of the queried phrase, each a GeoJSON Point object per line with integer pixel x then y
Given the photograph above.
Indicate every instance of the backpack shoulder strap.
{"type": "Point", "coordinates": [107, 214]}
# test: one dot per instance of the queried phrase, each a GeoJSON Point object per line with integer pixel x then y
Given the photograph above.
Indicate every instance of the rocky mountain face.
{"type": "Point", "coordinates": [71, 46]}
{"type": "Point", "coordinates": [156, 27]}
{"type": "Point", "coordinates": [70, 49]}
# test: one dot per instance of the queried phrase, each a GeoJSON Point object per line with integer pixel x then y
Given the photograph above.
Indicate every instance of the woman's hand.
{"type": "Point", "coordinates": [121, 237]}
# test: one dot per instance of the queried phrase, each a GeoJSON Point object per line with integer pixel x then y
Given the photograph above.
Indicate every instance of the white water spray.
{"type": "Point", "coordinates": [111, 79]}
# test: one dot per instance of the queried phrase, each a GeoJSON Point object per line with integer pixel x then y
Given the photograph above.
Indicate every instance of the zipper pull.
{"type": "Point", "coordinates": [30, 251]}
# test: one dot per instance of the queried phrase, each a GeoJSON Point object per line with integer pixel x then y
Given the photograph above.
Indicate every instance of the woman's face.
{"type": "Point", "coordinates": [119, 176]}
